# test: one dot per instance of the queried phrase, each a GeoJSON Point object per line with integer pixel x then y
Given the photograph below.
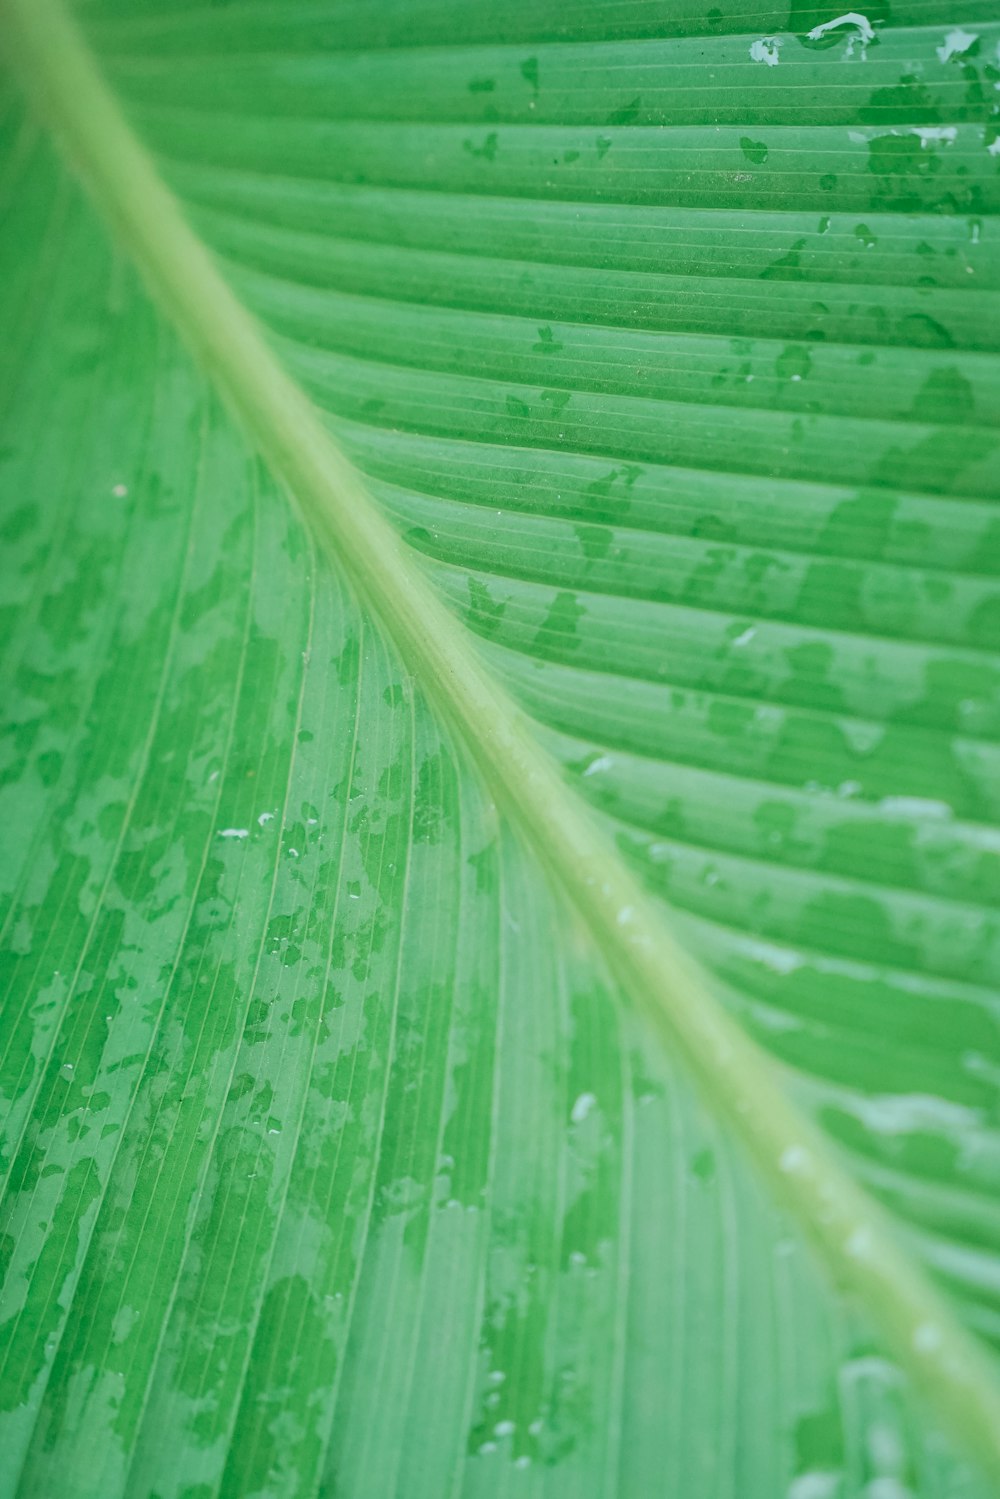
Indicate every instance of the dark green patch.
{"type": "Point", "coordinates": [754, 151]}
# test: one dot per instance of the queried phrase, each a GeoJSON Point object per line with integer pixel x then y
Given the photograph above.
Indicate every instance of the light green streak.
{"type": "Point", "coordinates": [954, 1371]}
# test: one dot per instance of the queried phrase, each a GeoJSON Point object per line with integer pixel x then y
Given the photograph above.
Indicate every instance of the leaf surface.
{"type": "Point", "coordinates": [339, 1159]}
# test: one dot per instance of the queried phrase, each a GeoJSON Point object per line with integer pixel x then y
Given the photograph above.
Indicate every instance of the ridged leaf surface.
{"type": "Point", "coordinates": [341, 1156]}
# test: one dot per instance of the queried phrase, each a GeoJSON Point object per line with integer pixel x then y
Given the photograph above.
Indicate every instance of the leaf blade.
{"type": "Point", "coordinates": [425, 609]}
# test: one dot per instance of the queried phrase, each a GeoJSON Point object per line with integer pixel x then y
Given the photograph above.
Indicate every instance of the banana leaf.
{"type": "Point", "coordinates": [500, 791]}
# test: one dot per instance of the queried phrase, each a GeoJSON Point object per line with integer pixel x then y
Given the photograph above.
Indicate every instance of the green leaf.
{"type": "Point", "coordinates": [501, 952]}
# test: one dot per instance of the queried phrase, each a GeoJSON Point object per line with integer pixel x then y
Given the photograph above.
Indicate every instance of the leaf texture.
{"type": "Point", "coordinates": [337, 1163]}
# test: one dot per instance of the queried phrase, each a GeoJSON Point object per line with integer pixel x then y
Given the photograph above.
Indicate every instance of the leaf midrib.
{"type": "Point", "coordinates": [62, 80]}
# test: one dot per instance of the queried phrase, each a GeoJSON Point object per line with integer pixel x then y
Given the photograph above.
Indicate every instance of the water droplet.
{"type": "Point", "coordinates": [602, 762]}
{"type": "Point", "coordinates": [861, 32]}
{"type": "Point", "coordinates": [914, 806]}
{"type": "Point", "coordinates": [765, 50]}
{"type": "Point", "coordinates": [582, 1107]}
{"type": "Point", "coordinates": [817, 1485]}
{"type": "Point", "coordinates": [956, 43]}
